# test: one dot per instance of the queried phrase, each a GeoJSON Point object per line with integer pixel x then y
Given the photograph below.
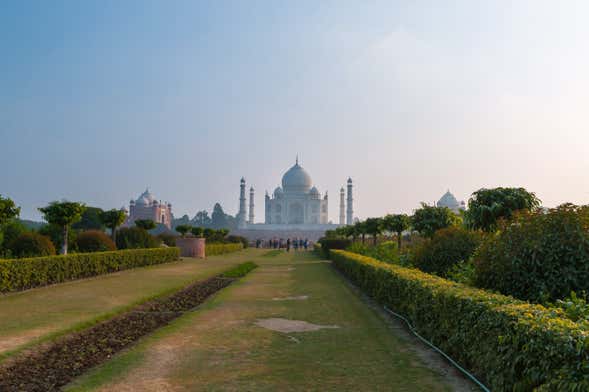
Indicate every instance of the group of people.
{"type": "Point", "coordinates": [281, 243]}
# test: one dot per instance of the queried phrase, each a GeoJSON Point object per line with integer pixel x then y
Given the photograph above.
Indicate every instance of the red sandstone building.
{"type": "Point", "coordinates": [147, 207]}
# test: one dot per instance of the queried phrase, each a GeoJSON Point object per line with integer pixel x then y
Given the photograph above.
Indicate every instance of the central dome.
{"type": "Point", "coordinates": [296, 179]}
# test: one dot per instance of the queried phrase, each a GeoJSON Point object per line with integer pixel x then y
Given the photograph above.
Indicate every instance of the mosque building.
{"type": "Point", "coordinates": [450, 201]}
{"type": "Point", "coordinates": [295, 209]}
{"type": "Point", "coordinates": [147, 207]}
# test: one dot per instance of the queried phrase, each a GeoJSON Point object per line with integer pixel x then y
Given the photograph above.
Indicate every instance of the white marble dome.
{"type": "Point", "coordinates": [145, 199]}
{"type": "Point", "coordinates": [448, 200]}
{"type": "Point", "coordinates": [296, 179]}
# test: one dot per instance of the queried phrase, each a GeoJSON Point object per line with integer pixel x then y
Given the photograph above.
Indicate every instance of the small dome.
{"type": "Point", "coordinates": [314, 191]}
{"type": "Point", "coordinates": [278, 192]}
{"type": "Point", "coordinates": [448, 200]}
{"type": "Point", "coordinates": [296, 179]}
{"type": "Point", "coordinates": [145, 199]}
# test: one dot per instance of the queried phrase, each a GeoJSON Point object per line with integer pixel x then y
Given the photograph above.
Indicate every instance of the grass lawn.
{"type": "Point", "coordinates": [35, 315]}
{"type": "Point", "coordinates": [220, 347]}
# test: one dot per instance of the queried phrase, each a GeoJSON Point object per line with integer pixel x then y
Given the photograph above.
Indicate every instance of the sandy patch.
{"type": "Point", "coordinates": [297, 298]}
{"type": "Point", "coordinates": [13, 342]}
{"type": "Point", "coordinates": [288, 326]}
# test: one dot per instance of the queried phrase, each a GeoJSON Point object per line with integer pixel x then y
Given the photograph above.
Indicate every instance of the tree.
{"type": "Point", "coordinates": [202, 219]}
{"type": "Point", "coordinates": [113, 219]}
{"type": "Point", "coordinates": [361, 230]}
{"type": "Point", "coordinates": [487, 206]}
{"type": "Point", "coordinates": [396, 224]}
{"type": "Point", "coordinates": [183, 229]}
{"type": "Point", "coordinates": [145, 224]}
{"type": "Point", "coordinates": [218, 218]}
{"type": "Point", "coordinates": [198, 232]}
{"type": "Point", "coordinates": [8, 210]}
{"type": "Point", "coordinates": [63, 214]}
{"type": "Point", "coordinates": [208, 232]}
{"type": "Point", "coordinates": [90, 220]}
{"type": "Point", "coordinates": [373, 227]}
{"type": "Point", "coordinates": [428, 219]}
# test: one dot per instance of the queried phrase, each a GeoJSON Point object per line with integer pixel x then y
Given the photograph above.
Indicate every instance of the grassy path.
{"type": "Point", "coordinates": [38, 314]}
{"type": "Point", "coordinates": [220, 347]}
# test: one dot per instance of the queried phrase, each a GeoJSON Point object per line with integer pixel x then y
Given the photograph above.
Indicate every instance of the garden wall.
{"type": "Point", "coordinates": [22, 274]}
{"type": "Point", "coordinates": [509, 344]}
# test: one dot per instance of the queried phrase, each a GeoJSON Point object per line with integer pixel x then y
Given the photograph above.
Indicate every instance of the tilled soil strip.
{"type": "Point", "coordinates": [57, 363]}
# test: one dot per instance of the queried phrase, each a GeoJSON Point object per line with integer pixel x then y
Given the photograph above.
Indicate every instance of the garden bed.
{"type": "Point", "coordinates": [55, 364]}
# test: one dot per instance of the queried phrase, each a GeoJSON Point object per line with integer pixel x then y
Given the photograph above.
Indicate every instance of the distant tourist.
{"type": "Point", "coordinates": [306, 243]}
{"type": "Point", "coordinates": [295, 244]}
{"type": "Point", "coordinates": [288, 245]}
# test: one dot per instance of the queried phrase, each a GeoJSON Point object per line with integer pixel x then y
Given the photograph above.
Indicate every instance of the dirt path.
{"type": "Point", "coordinates": [222, 347]}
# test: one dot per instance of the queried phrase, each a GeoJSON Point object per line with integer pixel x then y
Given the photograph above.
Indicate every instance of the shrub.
{"type": "Point", "coordinates": [538, 256]}
{"type": "Point", "coordinates": [94, 241]}
{"type": "Point", "coordinates": [507, 343]}
{"type": "Point", "coordinates": [167, 238]}
{"type": "Point", "coordinates": [386, 251]}
{"type": "Point", "coordinates": [135, 238]}
{"type": "Point", "coordinates": [241, 270]}
{"type": "Point", "coordinates": [21, 274]}
{"type": "Point", "coordinates": [447, 247]}
{"type": "Point", "coordinates": [333, 243]}
{"type": "Point", "coordinates": [32, 245]}
{"type": "Point", "coordinates": [219, 249]}
{"type": "Point", "coordinates": [237, 238]}
{"type": "Point", "coordinates": [429, 219]}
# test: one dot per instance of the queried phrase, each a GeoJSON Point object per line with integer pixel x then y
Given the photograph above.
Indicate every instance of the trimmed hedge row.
{"type": "Point", "coordinates": [510, 344]}
{"type": "Point", "coordinates": [22, 274]}
{"type": "Point", "coordinates": [219, 249]}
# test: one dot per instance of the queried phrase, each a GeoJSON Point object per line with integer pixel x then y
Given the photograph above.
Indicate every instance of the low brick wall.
{"type": "Point", "coordinates": [191, 247]}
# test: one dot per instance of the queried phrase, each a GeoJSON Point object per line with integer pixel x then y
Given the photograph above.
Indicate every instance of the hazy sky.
{"type": "Point", "coordinates": [99, 99]}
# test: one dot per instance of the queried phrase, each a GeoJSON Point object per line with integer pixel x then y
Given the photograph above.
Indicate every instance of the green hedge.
{"type": "Point", "coordinates": [219, 249]}
{"type": "Point", "coordinates": [509, 344]}
{"type": "Point", "coordinates": [21, 274]}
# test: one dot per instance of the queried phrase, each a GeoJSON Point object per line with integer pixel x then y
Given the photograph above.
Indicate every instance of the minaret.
{"type": "Point", "coordinates": [251, 215]}
{"type": "Point", "coordinates": [350, 207]}
{"type": "Point", "coordinates": [342, 207]}
{"type": "Point", "coordinates": [267, 208]}
{"type": "Point", "coordinates": [241, 214]}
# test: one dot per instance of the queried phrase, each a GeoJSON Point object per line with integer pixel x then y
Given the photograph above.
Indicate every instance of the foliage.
{"type": "Point", "coordinates": [373, 227]}
{"type": "Point", "coordinates": [11, 230]}
{"type": "Point", "coordinates": [241, 270]}
{"type": "Point", "coordinates": [21, 274]}
{"type": "Point", "coordinates": [237, 238]}
{"type": "Point", "coordinates": [507, 343]}
{"type": "Point", "coordinates": [462, 272]}
{"type": "Point", "coordinates": [396, 224]}
{"type": "Point", "coordinates": [55, 233]}
{"type": "Point", "coordinates": [429, 219]}
{"type": "Point", "coordinates": [31, 244]}
{"type": "Point", "coordinates": [113, 219]}
{"type": "Point", "coordinates": [135, 238]}
{"type": "Point", "coordinates": [90, 220]}
{"type": "Point", "coordinates": [219, 249]}
{"type": "Point", "coordinates": [333, 243]}
{"type": "Point", "coordinates": [94, 241]}
{"type": "Point", "coordinates": [538, 256]}
{"type": "Point", "coordinates": [218, 217]}
{"type": "Point", "coordinates": [183, 229]}
{"type": "Point", "coordinates": [487, 206]}
{"type": "Point", "coordinates": [168, 239]}
{"type": "Point", "coordinates": [145, 224]}
{"type": "Point", "coordinates": [63, 214]}
{"type": "Point", "coordinates": [575, 307]}
{"type": "Point", "coordinates": [448, 247]}
{"type": "Point", "coordinates": [213, 235]}
{"type": "Point", "coordinates": [386, 251]}
{"type": "Point", "coordinates": [8, 210]}
{"type": "Point", "coordinates": [198, 232]}
{"type": "Point", "coordinates": [202, 219]}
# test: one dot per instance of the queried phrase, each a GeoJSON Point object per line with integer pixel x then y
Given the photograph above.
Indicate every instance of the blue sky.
{"type": "Point", "coordinates": [99, 99]}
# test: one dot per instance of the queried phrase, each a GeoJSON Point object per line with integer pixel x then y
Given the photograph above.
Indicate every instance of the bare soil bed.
{"type": "Point", "coordinates": [54, 364]}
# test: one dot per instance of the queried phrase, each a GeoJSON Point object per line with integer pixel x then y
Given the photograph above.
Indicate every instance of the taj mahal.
{"type": "Point", "coordinates": [295, 209]}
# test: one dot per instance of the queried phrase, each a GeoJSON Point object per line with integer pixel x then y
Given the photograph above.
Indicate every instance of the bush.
{"type": "Point", "coordinates": [167, 238]}
{"type": "Point", "coordinates": [135, 238]}
{"type": "Point", "coordinates": [538, 256]}
{"type": "Point", "coordinates": [32, 245]}
{"type": "Point", "coordinates": [447, 247]}
{"type": "Point", "coordinates": [219, 249]}
{"type": "Point", "coordinates": [94, 241]}
{"type": "Point", "coordinates": [386, 251]}
{"type": "Point", "coordinates": [21, 274]}
{"type": "Point", "coordinates": [333, 243]}
{"type": "Point", "coordinates": [237, 238]}
{"type": "Point", "coordinates": [507, 343]}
